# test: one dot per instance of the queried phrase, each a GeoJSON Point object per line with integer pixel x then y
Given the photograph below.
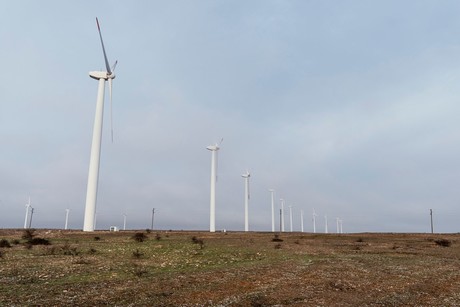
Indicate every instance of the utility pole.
{"type": "Point", "coordinates": [153, 214]}
{"type": "Point", "coordinates": [431, 217]}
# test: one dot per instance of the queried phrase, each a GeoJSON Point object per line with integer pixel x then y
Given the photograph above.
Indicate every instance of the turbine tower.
{"type": "Point", "coordinates": [93, 174]}
{"type": "Point", "coordinates": [325, 223]}
{"type": "Point", "coordinates": [290, 218]}
{"type": "Point", "coordinates": [282, 214]}
{"type": "Point", "coordinates": [314, 220]}
{"type": "Point", "coordinates": [338, 226]}
{"type": "Point", "coordinates": [66, 218]}
{"type": "Point", "coordinates": [212, 216]}
{"type": "Point", "coordinates": [27, 213]}
{"type": "Point", "coordinates": [301, 220]}
{"type": "Point", "coordinates": [273, 209]}
{"type": "Point", "coordinates": [246, 200]}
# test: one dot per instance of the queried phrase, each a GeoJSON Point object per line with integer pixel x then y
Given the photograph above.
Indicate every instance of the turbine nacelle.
{"type": "Point", "coordinates": [213, 147]}
{"type": "Point", "coordinates": [101, 75]}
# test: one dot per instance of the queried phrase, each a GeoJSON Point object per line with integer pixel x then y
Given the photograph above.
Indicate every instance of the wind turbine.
{"type": "Point", "coordinates": [124, 221]}
{"type": "Point", "coordinates": [212, 214]}
{"type": "Point", "coordinates": [246, 200]}
{"type": "Point", "coordinates": [273, 208]}
{"type": "Point", "coordinates": [93, 174]}
{"type": "Point", "coordinates": [290, 218]}
{"type": "Point", "coordinates": [325, 223]}
{"type": "Point", "coordinates": [27, 213]}
{"type": "Point", "coordinates": [282, 214]}
{"type": "Point", "coordinates": [66, 218]}
{"type": "Point", "coordinates": [338, 227]}
{"type": "Point", "coordinates": [301, 220]}
{"type": "Point", "coordinates": [314, 220]}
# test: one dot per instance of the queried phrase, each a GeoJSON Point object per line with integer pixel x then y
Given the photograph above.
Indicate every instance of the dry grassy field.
{"type": "Point", "coordinates": [177, 268]}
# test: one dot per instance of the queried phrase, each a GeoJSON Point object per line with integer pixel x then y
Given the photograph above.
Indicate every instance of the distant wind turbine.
{"type": "Point", "coordinates": [124, 221]}
{"type": "Point", "coordinates": [301, 220]}
{"type": "Point", "coordinates": [66, 218]}
{"type": "Point", "coordinates": [325, 223]}
{"type": "Point", "coordinates": [212, 215]}
{"type": "Point", "coordinates": [314, 220]}
{"type": "Point", "coordinates": [31, 216]}
{"type": "Point", "coordinates": [338, 226]}
{"type": "Point", "coordinates": [282, 215]}
{"type": "Point", "coordinates": [27, 213]}
{"type": "Point", "coordinates": [290, 218]}
{"type": "Point", "coordinates": [246, 199]}
{"type": "Point", "coordinates": [273, 208]}
{"type": "Point", "coordinates": [93, 174]}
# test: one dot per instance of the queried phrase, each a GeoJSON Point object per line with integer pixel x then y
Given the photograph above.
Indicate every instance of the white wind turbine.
{"type": "Point", "coordinates": [246, 199]}
{"type": "Point", "coordinates": [290, 218]}
{"type": "Point", "coordinates": [325, 224]}
{"type": "Point", "coordinates": [301, 220]}
{"type": "Point", "coordinates": [314, 220]}
{"type": "Point", "coordinates": [338, 226]}
{"type": "Point", "coordinates": [282, 214]}
{"type": "Point", "coordinates": [212, 215]}
{"type": "Point", "coordinates": [124, 221]}
{"type": "Point", "coordinates": [66, 218]}
{"type": "Point", "coordinates": [93, 174]}
{"type": "Point", "coordinates": [273, 208]}
{"type": "Point", "coordinates": [27, 213]}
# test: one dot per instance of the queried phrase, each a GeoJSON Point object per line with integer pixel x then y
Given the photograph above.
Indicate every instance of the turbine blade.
{"type": "Point", "coordinates": [114, 65]}
{"type": "Point", "coordinates": [111, 108]}
{"type": "Point", "coordinates": [107, 66]}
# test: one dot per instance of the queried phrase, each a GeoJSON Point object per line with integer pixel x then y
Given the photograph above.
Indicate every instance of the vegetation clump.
{"type": "Point", "coordinates": [139, 237]}
{"type": "Point", "coordinates": [137, 254]}
{"type": "Point", "coordinates": [5, 243]}
{"type": "Point", "coordinates": [31, 239]}
{"type": "Point", "coordinates": [443, 242]}
{"type": "Point", "coordinates": [198, 241]}
{"type": "Point", "coordinates": [277, 238]}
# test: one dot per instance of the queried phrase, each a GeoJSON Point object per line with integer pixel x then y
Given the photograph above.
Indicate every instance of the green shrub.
{"type": "Point", "coordinates": [443, 242]}
{"type": "Point", "coordinates": [5, 243]}
{"type": "Point", "coordinates": [139, 237]}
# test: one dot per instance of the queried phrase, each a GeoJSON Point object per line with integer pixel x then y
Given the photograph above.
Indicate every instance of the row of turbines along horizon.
{"type": "Point", "coordinates": [90, 214]}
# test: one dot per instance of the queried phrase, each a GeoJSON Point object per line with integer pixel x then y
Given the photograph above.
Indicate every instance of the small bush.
{"type": "Point", "coordinates": [278, 246]}
{"type": "Point", "coordinates": [158, 237]}
{"type": "Point", "coordinates": [68, 250]}
{"type": "Point", "coordinates": [15, 241]}
{"type": "Point", "coordinates": [277, 239]}
{"type": "Point", "coordinates": [5, 243]}
{"type": "Point", "coordinates": [139, 271]}
{"type": "Point", "coordinates": [148, 230]}
{"type": "Point", "coordinates": [139, 237]}
{"type": "Point", "coordinates": [443, 242]}
{"type": "Point", "coordinates": [39, 241]}
{"type": "Point", "coordinates": [195, 240]}
{"type": "Point", "coordinates": [92, 251]}
{"type": "Point", "coordinates": [96, 238]}
{"type": "Point", "coordinates": [28, 234]}
{"type": "Point", "coordinates": [360, 240]}
{"type": "Point", "coordinates": [137, 254]}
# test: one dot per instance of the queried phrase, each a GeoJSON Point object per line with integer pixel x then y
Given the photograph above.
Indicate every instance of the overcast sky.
{"type": "Point", "coordinates": [350, 108]}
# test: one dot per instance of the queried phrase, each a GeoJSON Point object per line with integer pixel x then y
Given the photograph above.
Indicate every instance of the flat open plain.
{"type": "Point", "coordinates": [180, 268]}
